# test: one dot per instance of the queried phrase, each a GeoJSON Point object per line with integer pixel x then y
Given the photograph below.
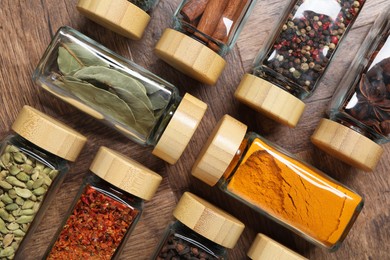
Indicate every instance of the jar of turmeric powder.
{"type": "Point", "coordinates": [276, 184]}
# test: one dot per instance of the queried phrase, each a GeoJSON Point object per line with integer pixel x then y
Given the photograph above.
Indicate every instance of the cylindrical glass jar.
{"type": "Point", "coordinates": [126, 17]}
{"type": "Point", "coordinates": [203, 32]}
{"type": "Point", "coordinates": [105, 210]}
{"type": "Point", "coordinates": [359, 113]}
{"type": "Point", "coordinates": [119, 93]}
{"type": "Point", "coordinates": [291, 64]}
{"type": "Point", "coordinates": [33, 164]}
{"type": "Point", "coordinates": [276, 184]}
{"type": "Point", "coordinates": [201, 231]}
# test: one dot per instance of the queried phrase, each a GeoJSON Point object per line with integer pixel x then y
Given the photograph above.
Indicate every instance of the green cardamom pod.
{"type": "Point", "coordinates": [6, 252]}
{"type": "Point", "coordinates": [13, 169]}
{"type": "Point", "coordinates": [24, 193]}
{"type": "Point", "coordinates": [5, 159]}
{"type": "Point", "coordinates": [13, 226]}
{"type": "Point", "coordinates": [4, 214]}
{"type": "Point", "coordinates": [28, 204]}
{"type": "Point", "coordinates": [38, 183]}
{"type": "Point", "coordinates": [19, 201]}
{"type": "Point", "coordinates": [27, 212]}
{"type": "Point", "coordinates": [11, 207]}
{"type": "Point", "coordinates": [6, 199]}
{"type": "Point", "coordinates": [12, 149]}
{"type": "Point", "coordinates": [24, 219]}
{"type": "Point", "coordinates": [26, 168]}
{"type": "Point", "coordinates": [14, 181]}
{"type": "Point", "coordinates": [20, 157]}
{"type": "Point", "coordinates": [19, 233]}
{"type": "Point", "coordinates": [22, 176]}
{"type": "Point", "coordinates": [5, 185]}
{"type": "Point", "coordinates": [7, 240]}
{"type": "Point", "coordinates": [39, 191]}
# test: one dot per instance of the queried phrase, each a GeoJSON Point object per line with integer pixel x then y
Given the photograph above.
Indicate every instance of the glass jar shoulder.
{"type": "Point", "coordinates": [146, 5]}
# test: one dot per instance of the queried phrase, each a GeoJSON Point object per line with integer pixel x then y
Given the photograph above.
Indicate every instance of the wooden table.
{"type": "Point", "coordinates": [26, 28]}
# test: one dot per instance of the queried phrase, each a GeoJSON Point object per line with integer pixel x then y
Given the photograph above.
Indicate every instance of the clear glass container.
{"type": "Point", "coordinates": [118, 92]}
{"type": "Point", "coordinates": [209, 30]}
{"type": "Point", "coordinates": [277, 184]}
{"type": "Point", "coordinates": [33, 164]}
{"type": "Point", "coordinates": [105, 210]}
{"type": "Point", "coordinates": [297, 55]}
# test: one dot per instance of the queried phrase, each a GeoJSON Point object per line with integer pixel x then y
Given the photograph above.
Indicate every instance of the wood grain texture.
{"type": "Point", "coordinates": [26, 28]}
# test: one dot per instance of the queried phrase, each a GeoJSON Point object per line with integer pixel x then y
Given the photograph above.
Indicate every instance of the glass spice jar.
{"type": "Point", "coordinates": [291, 64]}
{"type": "Point", "coordinates": [118, 92]}
{"type": "Point", "coordinates": [203, 32]}
{"type": "Point", "coordinates": [128, 18]}
{"type": "Point", "coordinates": [201, 231]}
{"type": "Point", "coordinates": [33, 164]}
{"type": "Point", "coordinates": [106, 208]}
{"type": "Point", "coordinates": [359, 113]}
{"type": "Point", "coordinates": [277, 184]}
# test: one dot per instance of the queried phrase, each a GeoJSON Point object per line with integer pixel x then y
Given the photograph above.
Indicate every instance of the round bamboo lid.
{"type": "Point", "coordinates": [208, 220]}
{"type": "Point", "coordinates": [264, 247]}
{"type": "Point", "coordinates": [347, 145]}
{"type": "Point", "coordinates": [120, 16]}
{"type": "Point", "coordinates": [180, 129]}
{"type": "Point", "coordinates": [190, 56]}
{"type": "Point", "coordinates": [270, 100]}
{"type": "Point", "coordinates": [125, 173]}
{"type": "Point", "coordinates": [49, 134]}
{"type": "Point", "coordinates": [219, 150]}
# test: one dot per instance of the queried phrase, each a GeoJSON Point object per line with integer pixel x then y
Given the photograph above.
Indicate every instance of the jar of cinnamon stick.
{"type": "Point", "coordinates": [277, 184]}
{"type": "Point", "coordinates": [203, 32]}
{"type": "Point", "coordinates": [359, 113]}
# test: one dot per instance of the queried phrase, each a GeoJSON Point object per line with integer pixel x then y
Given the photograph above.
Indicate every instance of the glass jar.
{"type": "Point", "coordinates": [291, 64]}
{"type": "Point", "coordinates": [276, 184]}
{"type": "Point", "coordinates": [33, 164]}
{"type": "Point", "coordinates": [203, 32]}
{"type": "Point", "coordinates": [359, 113]}
{"type": "Point", "coordinates": [128, 18]}
{"type": "Point", "coordinates": [105, 210]}
{"type": "Point", "coordinates": [118, 92]}
{"type": "Point", "coordinates": [201, 231]}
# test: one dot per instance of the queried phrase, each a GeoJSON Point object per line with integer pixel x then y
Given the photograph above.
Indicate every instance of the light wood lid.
{"type": "Point", "coordinates": [347, 145]}
{"type": "Point", "coordinates": [125, 173]}
{"type": "Point", "coordinates": [49, 134]}
{"type": "Point", "coordinates": [208, 220]}
{"type": "Point", "coordinates": [190, 56]}
{"type": "Point", "coordinates": [264, 248]}
{"type": "Point", "coordinates": [270, 100]}
{"type": "Point", "coordinates": [219, 150]}
{"type": "Point", "coordinates": [120, 16]}
{"type": "Point", "coordinates": [180, 129]}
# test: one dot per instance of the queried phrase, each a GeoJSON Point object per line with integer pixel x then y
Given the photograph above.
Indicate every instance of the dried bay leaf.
{"type": "Point", "coordinates": [66, 62]}
{"type": "Point", "coordinates": [158, 101]}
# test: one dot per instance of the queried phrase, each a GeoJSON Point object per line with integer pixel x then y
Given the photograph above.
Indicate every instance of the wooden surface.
{"type": "Point", "coordinates": [26, 28]}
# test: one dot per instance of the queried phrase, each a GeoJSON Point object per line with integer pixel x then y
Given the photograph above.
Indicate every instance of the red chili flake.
{"type": "Point", "coordinates": [95, 229]}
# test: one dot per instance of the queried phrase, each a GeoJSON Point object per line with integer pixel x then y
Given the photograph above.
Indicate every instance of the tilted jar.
{"type": "Point", "coordinates": [290, 65]}
{"type": "Point", "coordinates": [359, 114]}
{"type": "Point", "coordinates": [277, 184]}
{"type": "Point", "coordinates": [33, 164]}
{"type": "Point", "coordinates": [105, 210]}
{"type": "Point", "coordinates": [118, 92]}
{"type": "Point", "coordinates": [201, 231]}
{"type": "Point", "coordinates": [203, 32]}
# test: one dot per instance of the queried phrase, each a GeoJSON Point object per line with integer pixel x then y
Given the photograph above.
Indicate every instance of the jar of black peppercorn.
{"type": "Point", "coordinates": [291, 64]}
{"type": "Point", "coordinates": [359, 113]}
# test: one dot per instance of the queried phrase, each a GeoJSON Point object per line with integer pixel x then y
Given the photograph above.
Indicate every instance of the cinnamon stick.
{"type": "Point", "coordinates": [193, 9]}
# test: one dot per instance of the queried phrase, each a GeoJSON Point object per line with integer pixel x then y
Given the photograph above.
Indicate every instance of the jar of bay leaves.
{"type": "Point", "coordinates": [119, 93]}
{"type": "Point", "coordinates": [33, 163]}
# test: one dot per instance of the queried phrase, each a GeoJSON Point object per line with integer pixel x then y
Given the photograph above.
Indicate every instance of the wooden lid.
{"type": "Point", "coordinates": [180, 129]}
{"type": "Point", "coordinates": [49, 134]}
{"type": "Point", "coordinates": [125, 173]}
{"type": "Point", "coordinates": [270, 100]}
{"type": "Point", "coordinates": [264, 248]}
{"type": "Point", "coordinates": [219, 150]}
{"type": "Point", "coordinates": [120, 16]}
{"type": "Point", "coordinates": [190, 56]}
{"type": "Point", "coordinates": [347, 145]}
{"type": "Point", "coordinates": [208, 220]}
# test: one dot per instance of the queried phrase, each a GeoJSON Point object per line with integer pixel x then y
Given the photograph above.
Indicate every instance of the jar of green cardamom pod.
{"type": "Point", "coordinates": [33, 163]}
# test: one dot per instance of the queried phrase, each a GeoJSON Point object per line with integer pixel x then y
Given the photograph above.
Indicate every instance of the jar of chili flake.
{"type": "Point", "coordinates": [201, 231]}
{"type": "Point", "coordinates": [203, 32]}
{"type": "Point", "coordinates": [106, 208]}
{"type": "Point", "coordinates": [128, 18]}
{"type": "Point", "coordinates": [359, 113]}
{"type": "Point", "coordinates": [291, 64]}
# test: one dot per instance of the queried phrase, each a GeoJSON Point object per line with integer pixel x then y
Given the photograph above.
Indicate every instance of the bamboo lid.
{"type": "Point", "coordinates": [219, 150]}
{"type": "Point", "coordinates": [180, 129]}
{"type": "Point", "coordinates": [264, 248]}
{"type": "Point", "coordinates": [208, 220]}
{"type": "Point", "coordinates": [49, 134]}
{"type": "Point", "coordinates": [125, 173]}
{"type": "Point", "coordinates": [120, 16]}
{"type": "Point", "coordinates": [347, 145]}
{"type": "Point", "coordinates": [190, 56]}
{"type": "Point", "coordinates": [270, 100]}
